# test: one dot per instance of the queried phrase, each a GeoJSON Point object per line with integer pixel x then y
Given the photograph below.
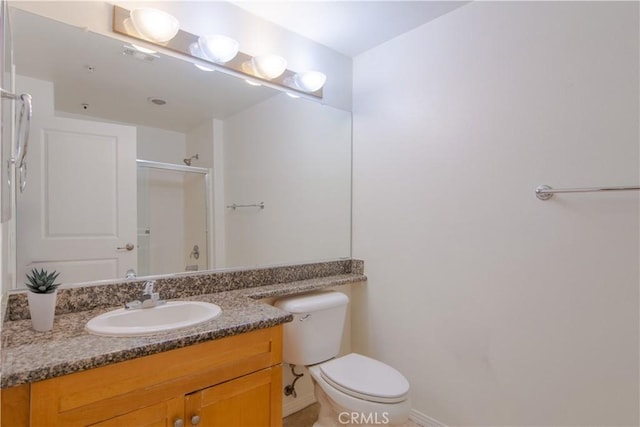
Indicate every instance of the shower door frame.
{"type": "Point", "coordinates": [209, 205]}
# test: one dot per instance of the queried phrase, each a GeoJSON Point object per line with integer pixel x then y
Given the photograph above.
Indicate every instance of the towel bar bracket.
{"type": "Point", "coordinates": [542, 194]}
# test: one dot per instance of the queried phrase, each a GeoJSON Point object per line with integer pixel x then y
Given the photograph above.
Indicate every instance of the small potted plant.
{"type": "Point", "coordinates": [42, 298]}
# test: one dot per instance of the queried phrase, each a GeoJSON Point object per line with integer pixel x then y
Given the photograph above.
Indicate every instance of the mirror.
{"type": "Point", "coordinates": [278, 169]}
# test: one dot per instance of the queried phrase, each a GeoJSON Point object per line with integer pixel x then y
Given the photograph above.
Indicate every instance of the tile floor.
{"type": "Point", "coordinates": [303, 418]}
{"type": "Point", "coordinates": [307, 416]}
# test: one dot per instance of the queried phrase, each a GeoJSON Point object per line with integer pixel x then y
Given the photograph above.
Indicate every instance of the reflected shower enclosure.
{"type": "Point", "coordinates": [173, 212]}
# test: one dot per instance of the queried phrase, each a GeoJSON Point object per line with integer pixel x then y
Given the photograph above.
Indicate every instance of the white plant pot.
{"type": "Point", "coordinates": [42, 308]}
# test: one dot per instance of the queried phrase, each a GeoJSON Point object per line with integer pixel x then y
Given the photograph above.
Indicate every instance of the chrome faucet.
{"type": "Point", "coordinates": [149, 298]}
{"type": "Point", "coordinates": [148, 289]}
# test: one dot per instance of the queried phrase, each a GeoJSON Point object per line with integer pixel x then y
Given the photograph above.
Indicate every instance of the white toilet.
{"type": "Point", "coordinates": [352, 389]}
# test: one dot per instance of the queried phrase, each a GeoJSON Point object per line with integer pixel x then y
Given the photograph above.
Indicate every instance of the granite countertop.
{"type": "Point", "coordinates": [29, 356]}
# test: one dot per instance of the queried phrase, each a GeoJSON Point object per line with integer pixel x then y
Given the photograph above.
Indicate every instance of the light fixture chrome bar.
{"type": "Point", "coordinates": [255, 205]}
{"type": "Point", "coordinates": [182, 42]}
{"type": "Point", "coordinates": [544, 192]}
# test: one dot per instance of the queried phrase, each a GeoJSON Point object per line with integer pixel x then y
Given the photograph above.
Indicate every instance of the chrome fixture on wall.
{"type": "Point", "coordinates": [218, 52]}
{"type": "Point", "coordinates": [195, 252]}
{"type": "Point", "coordinates": [19, 159]}
{"type": "Point", "coordinates": [188, 160]}
{"type": "Point", "coordinates": [544, 192]}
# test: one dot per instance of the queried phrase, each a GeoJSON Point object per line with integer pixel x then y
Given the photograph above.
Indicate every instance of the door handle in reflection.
{"type": "Point", "coordinates": [128, 246]}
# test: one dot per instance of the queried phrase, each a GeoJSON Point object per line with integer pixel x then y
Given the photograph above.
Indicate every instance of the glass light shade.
{"type": "Point", "coordinates": [218, 48]}
{"type": "Point", "coordinates": [155, 25]}
{"type": "Point", "coordinates": [268, 66]}
{"type": "Point", "coordinates": [194, 49]}
{"type": "Point", "coordinates": [143, 49]}
{"type": "Point", "coordinates": [202, 67]}
{"type": "Point", "coordinates": [310, 81]}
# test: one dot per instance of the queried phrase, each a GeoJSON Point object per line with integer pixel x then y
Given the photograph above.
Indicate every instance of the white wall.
{"type": "Point", "coordinates": [500, 308]}
{"type": "Point", "coordinates": [160, 145]}
{"type": "Point", "coordinates": [300, 171]}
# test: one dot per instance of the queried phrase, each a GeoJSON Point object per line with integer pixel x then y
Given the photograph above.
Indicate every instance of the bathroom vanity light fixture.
{"type": "Point", "coordinates": [135, 52]}
{"type": "Point", "coordinates": [310, 81]}
{"type": "Point", "coordinates": [143, 49]}
{"type": "Point", "coordinates": [154, 25]}
{"type": "Point", "coordinates": [158, 28]}
{"type": "Point", "coordinates": [218, 48]}
{"type": "Point", "coordinates": [196, 52]}
{"type": "Point", "coordinates": [267, 66]}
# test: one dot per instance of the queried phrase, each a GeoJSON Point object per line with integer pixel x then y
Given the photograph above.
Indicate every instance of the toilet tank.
{"type": "Point", "coordinates": [315, 334]}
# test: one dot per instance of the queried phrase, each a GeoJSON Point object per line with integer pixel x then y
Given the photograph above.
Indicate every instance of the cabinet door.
{"type": "Point", "coordinates": [254, 400]}
{"type": "Point", "coordinates": [165, 414]}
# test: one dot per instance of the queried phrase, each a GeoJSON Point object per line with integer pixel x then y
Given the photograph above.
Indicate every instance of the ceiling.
{"type": "Point", "coordinates": [349, 27]}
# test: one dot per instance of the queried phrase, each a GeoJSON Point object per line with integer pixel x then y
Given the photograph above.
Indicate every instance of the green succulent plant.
{"type": "Point", "coordinates": [42, 282]}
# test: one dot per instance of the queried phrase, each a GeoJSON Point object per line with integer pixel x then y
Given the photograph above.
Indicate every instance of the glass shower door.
{"type": "Point", "coordinates": [173, 218]}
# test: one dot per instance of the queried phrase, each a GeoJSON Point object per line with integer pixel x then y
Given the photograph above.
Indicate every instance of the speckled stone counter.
{"type": "Point", "coordinates": [29, 356]}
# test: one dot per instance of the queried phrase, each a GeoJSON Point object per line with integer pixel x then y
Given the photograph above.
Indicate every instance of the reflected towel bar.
{"type": "Point", "coordinates": [9, 95]}
{"type": "Point", "coordinates": [255, 205]}
{"type": "Point", "coordinates": [544, 192]}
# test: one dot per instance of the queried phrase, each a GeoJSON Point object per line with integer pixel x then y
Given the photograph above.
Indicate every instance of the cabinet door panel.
{"type": "Point", "coordinates": [250, 401]}
{"type": "Point", "coordinates": [160, 415]}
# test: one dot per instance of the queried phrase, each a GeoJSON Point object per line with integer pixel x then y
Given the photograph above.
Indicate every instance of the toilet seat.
{"type": "Point", "coordinates": [365, 378]}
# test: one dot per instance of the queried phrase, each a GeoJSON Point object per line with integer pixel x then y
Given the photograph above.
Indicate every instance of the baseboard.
{"type": "Point", "coordinates": [297, 404]}
{"type": "Point", "coordinates": [424, 420]}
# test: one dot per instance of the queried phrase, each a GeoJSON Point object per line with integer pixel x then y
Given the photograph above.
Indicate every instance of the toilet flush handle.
{"type": "Point", "coordinates": [305, 317]}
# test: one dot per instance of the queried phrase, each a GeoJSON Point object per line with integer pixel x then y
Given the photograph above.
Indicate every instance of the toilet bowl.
{"type": "Point", "coordinates": [352, 390]}
{"type": "Point", "coordinates": [357, 390]}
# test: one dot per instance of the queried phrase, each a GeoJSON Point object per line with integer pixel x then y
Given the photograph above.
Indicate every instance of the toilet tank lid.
{"type": "Point", "coordinates": [312, 302]}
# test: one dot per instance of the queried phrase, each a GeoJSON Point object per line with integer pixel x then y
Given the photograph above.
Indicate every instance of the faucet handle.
{"type": "Point", "coordinates": [148, 287]}
{"type": "Point", "coordinates": [132, 305]}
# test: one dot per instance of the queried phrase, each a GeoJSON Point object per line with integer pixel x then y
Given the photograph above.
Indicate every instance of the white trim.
{"type": "Point", "coordinates": [297, 404]}
{"type": "Point", "coordinates": [424, 420]}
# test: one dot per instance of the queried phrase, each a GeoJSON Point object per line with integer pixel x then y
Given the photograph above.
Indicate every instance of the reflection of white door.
{"type": "Point", "coordinates": [79, 206]}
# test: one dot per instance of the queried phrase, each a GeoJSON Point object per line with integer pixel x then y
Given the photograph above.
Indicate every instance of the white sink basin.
{"type": "Point", "coordinates": [146, 321]}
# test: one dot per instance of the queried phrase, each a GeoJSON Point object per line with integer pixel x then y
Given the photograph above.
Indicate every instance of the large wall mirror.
{"type": "Point", "coordinates": [142, 163]}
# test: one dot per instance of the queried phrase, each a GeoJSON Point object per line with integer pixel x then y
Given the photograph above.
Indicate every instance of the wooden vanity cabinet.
{"type": "Point", "coordinates": [230, 382]}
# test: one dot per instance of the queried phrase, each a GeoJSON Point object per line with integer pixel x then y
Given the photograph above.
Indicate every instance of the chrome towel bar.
{"type": "Point", "coordinates": [23, 124]}
{"type": "Point", "coordinates": [9, 95]}
{"type": "Point", "coordinates": [544, 192]}
{"type": "Point", "coordinates": [255, 205]}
